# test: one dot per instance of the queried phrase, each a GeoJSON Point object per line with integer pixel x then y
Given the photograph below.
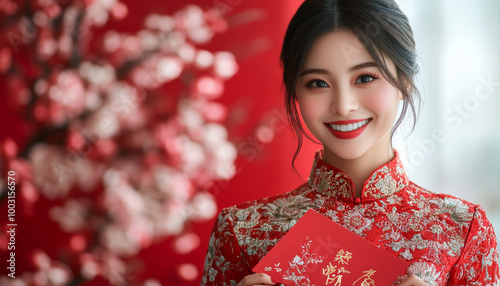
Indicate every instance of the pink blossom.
{"type": "Point", "coordinates": [119, 240]}
{"type": "Point", "coordinates": [149, 40]}
{"type": "Point", "coordinates": [29, 192]}
{"type": "Point", "coordinates": [123, 101]}
{"type": "Point", "coordinates": [9, 7]}
{"type": "Point", "coordinates": [87, 172]}
{"type": "Point", "coordinates": [50, 272]}
{"type": "Point", "coordinates": [176, 40]}
{"type": "Point", "coordinates": [189, 116]}
{"type": "Point", "coordinates": [192, 155]}
{"type": "Point", "coordinates": [174, 184]}
{"type": "Point", "coordinates": [72, 216]}
{"type": "Point", "coordinates": [225, 64]}
{"type": "Point", "coordinates": [78, 242]}
{"type": "Point", "coordinates": [66, 96]}
{"type": "Point", "coordinates": [214, 112]}
{"type": "Point", "coordinates": [190, 17]}
{"type": "Point", "coordinates": [200, 35]}
{"type": "Point", "coordinates": [163, 23]}
{"type": "Point", "coordinates": [5, 59]}
{"type": "Point", "coordinates": [103, 123]}
{"type": "Point", "coordinates": [50, 7]}
{"type": "Point", "coordinates": [113, 268]}
{"type": "Point", "coordinates": [100, 76]}
{"type": "Point", "coordinates": [186, 243]}
{"type": "Point", "coordinates": [55, 170]}
{"type": "Point", "coordinates": [209, 87]}
{"type": "Point", "coordinates": [47, 46]}
{"type": "Point", "coordinates": [192, 20]}
{"type": "Point", "coordinates": [187, 53]}
{"type": "Point", "coordinates": [203, 59]}
{"type": "Point", "coordinates": [151, 282]}
{"type": "Point", "coordinates": [202, 207]}
{"type": "Point", "coordinates": [187, 271]}
{"type": "Point", "coordinates": [52, 175]}
{"type": "Point", "coordinates": [90, 268]}
{"type": "Point", "coordinates": [166, 135]}
{"type": "Point", "coordinates": [18, 281]}
{"type": "Point", "coordinates": [173, 220]}
{"type": "Point", "coordinates": [119, 11]}
{"type": "Point", "coordinates": [98, 12]}
{"type": "Point", "coordinates": [217, 23]}
{"type": "Point", "coordinates": [9, 148]}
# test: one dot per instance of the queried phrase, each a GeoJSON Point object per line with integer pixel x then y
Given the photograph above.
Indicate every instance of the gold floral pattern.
{"type": "Point", "coordinates": [448, 241]}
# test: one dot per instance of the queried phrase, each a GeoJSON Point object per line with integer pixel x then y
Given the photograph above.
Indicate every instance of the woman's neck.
{"type": "Point", "coordinates": [359, 169]}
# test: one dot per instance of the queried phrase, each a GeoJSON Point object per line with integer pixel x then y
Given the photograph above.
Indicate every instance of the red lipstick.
{"type": "Point", "coordinates": [357, 126]}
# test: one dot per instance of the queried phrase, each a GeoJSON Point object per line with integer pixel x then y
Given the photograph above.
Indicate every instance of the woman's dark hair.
{"type": "Point", "coordinates": [379, 25]}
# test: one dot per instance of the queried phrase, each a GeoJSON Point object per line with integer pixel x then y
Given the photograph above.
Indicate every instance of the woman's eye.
{"type": "Point", "coordinates": [366, 78]}
{"type": "Point", "coordinates": [319, 83]}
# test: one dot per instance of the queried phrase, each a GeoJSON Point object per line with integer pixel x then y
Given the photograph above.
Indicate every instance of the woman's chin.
{"type": "Point", "coordinates": [345, 153]}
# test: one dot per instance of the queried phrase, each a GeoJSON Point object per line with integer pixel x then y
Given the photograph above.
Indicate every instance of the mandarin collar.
{"type": "Point", "coordinates": [385, 181]}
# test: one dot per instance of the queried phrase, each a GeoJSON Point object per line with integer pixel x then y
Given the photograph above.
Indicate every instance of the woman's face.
{"type": "Point", "coordinates": [344, 100]}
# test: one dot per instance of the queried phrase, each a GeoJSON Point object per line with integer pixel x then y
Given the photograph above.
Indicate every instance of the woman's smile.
{"type": "Point", "coordinates": [347, 129]}
{"type": "Point", "coordinates": [348, 125]}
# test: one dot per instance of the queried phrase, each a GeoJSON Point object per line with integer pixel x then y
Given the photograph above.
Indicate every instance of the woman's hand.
{"type": "Point", "coordinates": [264, 279]}
{"type": "Point", "coordinates": [257, 279]}
{"type": "Point", "coordinates": [413, 281]}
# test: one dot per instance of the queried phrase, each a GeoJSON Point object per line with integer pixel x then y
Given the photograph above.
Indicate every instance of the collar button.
{"type": "Point", "coordinates": [357, 200]}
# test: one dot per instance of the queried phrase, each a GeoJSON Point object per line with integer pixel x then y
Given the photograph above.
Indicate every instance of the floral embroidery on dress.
{"type": "Point", "coordinates": [457, 210]}
{"type": "Point", "coordinates": [356, 222]}
{"type": "Point", "coordinates": [385, 181]}
{"type": "Point", "coordinates": [448, 241]}
{"type": "Point", "coordinates": [330, 183]}
{"type": "Point", "coordinates": [425, 271]}
{"type": "Point", "coordinates": [288, 208]}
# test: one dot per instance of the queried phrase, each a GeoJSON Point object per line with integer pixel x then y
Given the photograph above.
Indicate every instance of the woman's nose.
{"type": "Point", "coordinates": [343, 102]}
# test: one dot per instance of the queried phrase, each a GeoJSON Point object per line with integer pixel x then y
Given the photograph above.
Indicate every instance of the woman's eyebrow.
{"type": "Point", "coordinates": [362, 65]}
{"type": "Point", "coordinates": [351, 69]}
{"type": "Point", "coordinates": [309, 71]}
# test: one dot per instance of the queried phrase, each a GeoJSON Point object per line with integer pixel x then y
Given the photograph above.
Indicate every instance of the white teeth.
{"type": "Point", "coordinates": [349, 127]}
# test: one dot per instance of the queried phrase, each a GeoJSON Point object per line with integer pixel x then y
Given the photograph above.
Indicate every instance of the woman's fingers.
{"type": "Point", "coordinates": [256, 279]}
{"type": "Point", "coordinates": [413, 281]}
{"type": "Point", "coordinates": [264, 279]}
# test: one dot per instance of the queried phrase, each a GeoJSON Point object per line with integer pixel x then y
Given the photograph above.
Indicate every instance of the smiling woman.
{"type": "Point", "coordinates": [347, 66]}
{"type": "Point", "coordinates": [352, 90]}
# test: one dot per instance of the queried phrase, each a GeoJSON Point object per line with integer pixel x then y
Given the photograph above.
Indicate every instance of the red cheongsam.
{"type": "Point", "coordinates": [448, 241]}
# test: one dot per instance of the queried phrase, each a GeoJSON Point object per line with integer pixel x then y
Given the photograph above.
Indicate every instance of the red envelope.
{"type": "Point", "coordinates": [318, 251]}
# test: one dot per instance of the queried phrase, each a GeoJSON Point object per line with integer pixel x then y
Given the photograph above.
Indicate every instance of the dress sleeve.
{"type": "Point", "coordinates": [478, 263]}
{"type": "Point", "coordinates": [224, 263]}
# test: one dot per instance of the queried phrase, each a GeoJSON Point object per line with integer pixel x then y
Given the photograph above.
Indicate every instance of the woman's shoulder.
{"type": "Point", "coordinates": [432, 194]}
{"type": "Point", "coordinates": [289, 205]}
{"type": "Point", "coordinates": [445, 203]}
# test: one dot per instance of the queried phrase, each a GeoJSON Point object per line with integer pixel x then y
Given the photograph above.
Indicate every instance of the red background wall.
{"type": "Point", "coordinates": [256, 30]}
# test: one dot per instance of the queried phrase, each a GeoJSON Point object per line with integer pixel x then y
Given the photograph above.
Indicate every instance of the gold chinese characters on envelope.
{"type": "Point", "coordinates": [318, 251]}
